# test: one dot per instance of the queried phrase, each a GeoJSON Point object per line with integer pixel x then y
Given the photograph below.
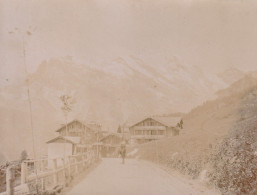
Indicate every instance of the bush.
{"type": "Point", "coordinates": [235, 162]}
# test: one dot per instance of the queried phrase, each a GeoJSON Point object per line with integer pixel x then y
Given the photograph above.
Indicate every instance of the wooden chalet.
{"type": "Point", "coordinates": [74, 138]}
{"type": "Point", "coordinates": [153, 128]}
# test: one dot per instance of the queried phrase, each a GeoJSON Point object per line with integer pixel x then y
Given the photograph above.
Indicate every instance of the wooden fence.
{"type": "Point", "coordinates": [42, 175]}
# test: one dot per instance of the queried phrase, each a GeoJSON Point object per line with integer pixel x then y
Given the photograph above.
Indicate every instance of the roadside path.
{"type": "Point", "coordinates": [133, 178]}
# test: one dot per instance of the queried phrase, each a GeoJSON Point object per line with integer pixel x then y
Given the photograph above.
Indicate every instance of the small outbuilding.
{"type": "Point", "coordinates": [111, 144]}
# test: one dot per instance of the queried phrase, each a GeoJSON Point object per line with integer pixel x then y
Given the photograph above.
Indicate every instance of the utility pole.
{"type": "Point", "coordinates": [97, 140]}
{"type": "Point", "coordinates": [27, 33]}
{"type": "Point", "coordinates": [23, 33]}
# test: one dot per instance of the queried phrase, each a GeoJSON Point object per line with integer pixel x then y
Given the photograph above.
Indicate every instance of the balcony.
{"type": "Point", "coordinates": [149, 128]}
{"type": "Point", "coordinates": [147, 136]}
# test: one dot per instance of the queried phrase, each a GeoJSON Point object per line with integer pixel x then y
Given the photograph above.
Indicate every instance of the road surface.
{"type": "Point", "coordinates": [133, 178]}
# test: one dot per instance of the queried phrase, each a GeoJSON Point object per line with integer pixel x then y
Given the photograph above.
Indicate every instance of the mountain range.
{"type": "Point", "coordinates": [108, 92]}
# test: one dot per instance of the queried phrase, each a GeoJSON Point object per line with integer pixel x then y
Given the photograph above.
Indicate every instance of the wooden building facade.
{"type": "Point", "coordinates": [77, 137]}
{"type": "Point", "coordinates": [111, 144]}
{"type": "Point", "coordinates": [153, 128]}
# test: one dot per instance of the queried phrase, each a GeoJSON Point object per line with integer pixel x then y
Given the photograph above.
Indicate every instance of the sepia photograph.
{"type": "Point", "coordinates": [128, 97]}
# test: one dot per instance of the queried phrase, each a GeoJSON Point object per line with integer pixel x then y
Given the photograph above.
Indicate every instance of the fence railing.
{"type": "Point", "coordinates": [44, 174]}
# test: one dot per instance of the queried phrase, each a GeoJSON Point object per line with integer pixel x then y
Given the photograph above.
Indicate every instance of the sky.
{"type": "Point", "coordinates": [214, 35]}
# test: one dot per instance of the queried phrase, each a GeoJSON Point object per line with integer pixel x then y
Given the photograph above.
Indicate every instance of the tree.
{"type": "Point", "coordinates": [68, 102]}
{"type": "Point", "coordinates": [119, 129]}
{"type": "Point", "coordinates": [181, 123]}
{"type": "Point", "coordinates": [24, 155]}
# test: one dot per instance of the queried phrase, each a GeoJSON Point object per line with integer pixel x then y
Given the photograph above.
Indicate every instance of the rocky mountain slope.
{"type": "Point", "coordinates": [125, 86]}
{"type": "Point", "coordinates": [231, 75]}
{"type": "Point", "coordinates": [109, 94]}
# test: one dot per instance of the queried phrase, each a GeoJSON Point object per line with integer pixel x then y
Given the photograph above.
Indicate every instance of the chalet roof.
{"type": "Point", "coordinates": [75, 120]}
{"type": "Point", "coordinates": [112, 134]}
{"type": "Point", "coordinates": [59, 138]}
{"type": "Point", "coordinates": [88, 125]}
{"type": "Point", "coordinates": [168, 121]}
{"type": "Point", "coordinates": [75, 140]}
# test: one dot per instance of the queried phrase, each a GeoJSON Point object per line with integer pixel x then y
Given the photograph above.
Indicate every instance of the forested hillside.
{"type": "Point", "coordinates": [217, 143]}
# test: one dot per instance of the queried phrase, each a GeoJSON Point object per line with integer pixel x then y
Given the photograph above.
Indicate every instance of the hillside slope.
{"type": "Point", "coordinates": [206, 130]}
{"type": "Point", "coordinates": [235, 161]}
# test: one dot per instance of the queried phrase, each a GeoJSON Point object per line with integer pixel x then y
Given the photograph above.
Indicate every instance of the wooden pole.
{"type": "Point", "coordinates": [83, 160]}
{"type": "Point", "coordinates": [97, 149]}
{"type": "Point", "coordinates": [69, 166]}
{"type": "Point", "coordinates": [64, 168]}
{"type": "Point", "coordinates": [76, 165]}
{"type": "Point", "coordinates": [55, 172]}
{"type": "Point", "coordinates": [10, 180]}
{"type": "Point", "coordinates": [23, 172]}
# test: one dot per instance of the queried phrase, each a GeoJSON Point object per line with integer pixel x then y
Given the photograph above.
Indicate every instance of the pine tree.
{"type": "Point", "coordinates": [24, 155]}
{"type": "Point", "coordinates": [119, 129]}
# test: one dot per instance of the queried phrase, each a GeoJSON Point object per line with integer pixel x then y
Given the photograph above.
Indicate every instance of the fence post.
{"type": "Point", "coordinates": [69, 167]}
{"type": "Point", "coordinates": [76, 165]}
{"type": "Point", "coordinates": [90, 157]}
{"type": "Point", "coordinates": [93, 156]}
{"type": "Point", "coordinates": [55, 172]}
{"type": "Point", "coordinates": [10, 181]}
{"type": "Point", "coordinates": [42, 169]}
{"type": "Point", "coordinates": [23, 172]}
{"type": "Point", "coordinates": [82, 160]}
{"type": "Point", "coordinates": [64, 168]}
{"type": "Point", "coordinates": [85, 159]}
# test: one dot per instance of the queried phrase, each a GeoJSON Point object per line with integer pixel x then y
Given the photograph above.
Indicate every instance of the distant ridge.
{"type": "Point", "coordinates": [241, 86]}
{"type": "Point", "coordinates": [176, 114]}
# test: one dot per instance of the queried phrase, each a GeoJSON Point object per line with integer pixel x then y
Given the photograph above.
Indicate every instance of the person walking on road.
{"type": "Point", "coordinates": [123, 152]}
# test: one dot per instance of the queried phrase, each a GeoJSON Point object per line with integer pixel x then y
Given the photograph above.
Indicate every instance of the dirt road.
{"type": "Point", "coordinates": [133, 178]}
